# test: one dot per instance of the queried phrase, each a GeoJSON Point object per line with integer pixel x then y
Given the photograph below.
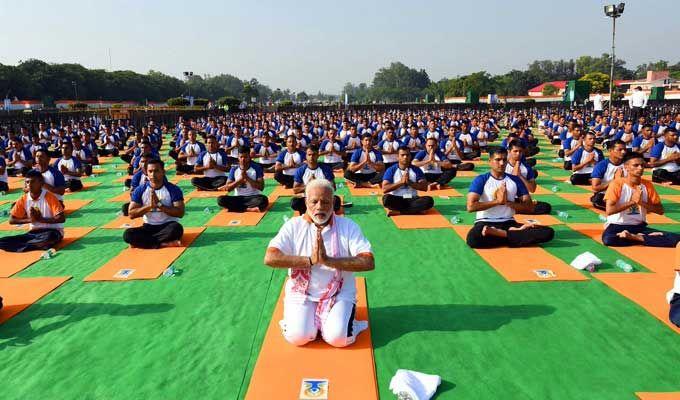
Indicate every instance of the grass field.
{"type": "Point", "coordinates": [435, 307]}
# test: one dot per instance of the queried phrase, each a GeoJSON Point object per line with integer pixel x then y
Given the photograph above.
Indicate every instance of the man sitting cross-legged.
{"type": "Point", "coordinates": [44, 213]}
{"type": "Point", "coordinates": [437, 169]}
{"type": "Point", "coordinates": [400, 185]}
{"type": "Point", "coordinates": [517, 166]}
{"type": "Point", "coordinates": [606, 171]}
{"type": "Point", "coordinates": [161, 205]}
{"type": "Point", "coordinates": [664, 158]}
{"type": "Point", "coordinates": [288, 161]}
{"type": "Point", "coordinates": [246, 180]}
{"type": "Point", "coordinates": [70, 167]}
{"type": "Point", "coordinates": [213, 164]}
{"type": "Point", "coordinates": [309, 171]}
{"type": "Point", "coordinates": [628, 200]}
{"type": "Point", "coordinates": [584, 159]}
{"type": "Point", "coordinates": [366, 166]}
{"type": "Point", "coordinates": [495, 197]}
{"type": "Point", "coordinates": [321, 251]}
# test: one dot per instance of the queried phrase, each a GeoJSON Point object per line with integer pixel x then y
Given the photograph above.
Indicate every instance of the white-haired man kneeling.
{"type": "Point", "coordinates": [321, 251]}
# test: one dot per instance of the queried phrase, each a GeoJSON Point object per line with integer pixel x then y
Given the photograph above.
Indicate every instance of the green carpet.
{"type": "Point", "coordinates": [435, 307]}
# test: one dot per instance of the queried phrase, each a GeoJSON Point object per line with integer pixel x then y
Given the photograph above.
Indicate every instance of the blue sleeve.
{"type": "Point", "coordinates": [55, 164]}
{"type": "Point", "coordinates": [378, 156]}
{"type": "Point", "coordinates": [299, 173]}
{"type": "Point", "coordinates": [576, 157]}
{"type": "Point", "coordinates": [356, 156]}
{"type": "Point", "coordinates": [259, 173]}
{"type": "Point", "coordinates": [477, 185]}
{"type": "Point", "coordinates": [389, 174]}
{"type": "Point", "coordinates": [199, 162]}
{"type": "Point", "coordinates": [76, 163]}
{"type": "Point", "coordinates": [328, 173]}
{"type": "Point", "coordinates": [322, 146]}
{"type": "Point", "coordinates": [224, 157]}
{"type": "Point", "coordinates": [566, 144]}
{"type": "Point", "coordinates": [232, 177]}
{"type": "Point", "coordinates": [59, 180]}
{"type": "Point", "coordinates": [2, 162]}
{"type": "Point", "coordinates": [420, 155]}
{"type": "Point", "coordinates": [175, 192]}
{"type": "Point", "coordinates": [419, 173]}
{"type": "Point", "coordinates": [599, 169]}
{"type": "Point", "coordinates": [531, 173]}
{"type": "Point", "coordinates": [521, 187]}
{"type": "Point", "coordinates": [257, 147]}
{"type": "Point", "coordinates": [504, 144]}
{"type": "Point", "coordinates": [656, 151]}
{"type": "Point", "coordinates": [134, 182]}
{"type": "Point", "coordinates": [281, 158]}
{"type": "Point", "coordinates": [136, 196]}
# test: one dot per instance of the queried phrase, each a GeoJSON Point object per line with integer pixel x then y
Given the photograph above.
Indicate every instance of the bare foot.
{"type": "Point", "coordinates": [629, 236]}
{"type": "Point", "coordinates": [523, 227]}
{"type": "Point", "coordinates": [174, 243]}
{"type": "Point", "coordinates": [432, 186]}
{"type": "Point", "coordinates": [392, 213]}
{"type": "Point", "coordinates": [351, 183]}
{"type": "Point", "coordinates": [253, 209]}
{"type": "Point", "coordinates": [655, 234]}
{"type": "Point", "coordinates": [491, 231]}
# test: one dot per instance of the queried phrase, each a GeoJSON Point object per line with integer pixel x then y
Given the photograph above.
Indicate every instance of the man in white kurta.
{"type": "Point", "coordinates": [321, 251]}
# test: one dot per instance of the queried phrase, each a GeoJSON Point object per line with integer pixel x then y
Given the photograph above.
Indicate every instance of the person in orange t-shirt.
{"type": "Point", "coordinates": [44, 214]}
{"type": "Point", "coordinates": [628, 200]}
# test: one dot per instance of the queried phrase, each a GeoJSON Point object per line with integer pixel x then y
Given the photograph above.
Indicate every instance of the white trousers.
{"type": "Point", "coordinates": [338, 329]}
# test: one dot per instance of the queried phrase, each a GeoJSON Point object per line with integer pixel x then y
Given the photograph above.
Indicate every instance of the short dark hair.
{"type": "Point", "coordinates": [211, 136]}
{"type": "Point", "coordinates": [518, 144]}
{"type": "Point", "coordinates": [34, 174]}
{"type": "Point", "coordinates": [632, 155]}
{"type": "Point", "coordinates": [366, 135]}
{"type": "Point", "coordinates": [155, 161]}
{"type": "Point", "coordinates": [404, 148]}
{"type": "Point", "coordinates": [243, 150]}
{"type": "Point", "coordinates": [670, 129]}
{"type": "Point", "coordinates": [617, 141]}
{"type": "Point", "coordinates": [313, 147]}
{"type": "Point", "coordinates": [497, 150]}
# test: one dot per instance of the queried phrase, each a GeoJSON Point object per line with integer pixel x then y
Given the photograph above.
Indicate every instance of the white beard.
{"type": "Point", "coordinates": [319, 221]}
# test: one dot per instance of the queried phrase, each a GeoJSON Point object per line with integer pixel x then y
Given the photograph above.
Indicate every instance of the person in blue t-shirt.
{"type": "Point", "coordinates": [495, 197]}
{"type": "Point", "coordinates": [161, 205]}
{"type": "Point", "coordinates": [664, 158]}
{"type": "Point", "coordinates": [436, 167]}
{"type": "Point", "coordinates": [400, 185]}
{"type": "Point", "coordinates": [287, 162]}
{"type": "Point", "coordinates": [246, 180]}
{"type": "Point", "coordinates": [307, 172]}
{"type": "Point", "coordinates": [366, 166]}
{"type": "Point", "coordinates": [518, 167]}
{"type": "Point", "coordinates": [212, 163]}
{"type": "Point", "coordinates": [583, 160]}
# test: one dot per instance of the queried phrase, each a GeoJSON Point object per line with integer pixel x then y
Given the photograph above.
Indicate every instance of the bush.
{"type": "Point", "coordinates": [286, 103]}
{"type": "Point", "coordinates": [177, 102]}
{"type": "Point", "coordinates": [529, 100]}
{"type": "Point", "coordinates": [201, 102]}
{"type": "Point", "coordinates": [229, 101]}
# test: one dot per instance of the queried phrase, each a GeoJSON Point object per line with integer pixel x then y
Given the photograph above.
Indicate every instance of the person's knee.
{"type": "Point", "coordinates": [299, 335]}
{"type": "Point", "coordinates": [335, 333]}
{"type": "Point", "coordinates": [674, 314]}
{"type": "Point", "coordinates": [428, 202]}
{"type": "Point", "coordinates": [223, 202]}
{"type": "Point", "coordinates": [128, 236]}
{"type": "Point", "coordinates": [608, 240]}
{"type": "Point", "coordinates": [194, 181]}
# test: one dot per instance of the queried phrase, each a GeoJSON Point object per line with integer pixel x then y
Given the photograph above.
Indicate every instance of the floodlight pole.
{"type": "Point", "coordinates": [611, 71]}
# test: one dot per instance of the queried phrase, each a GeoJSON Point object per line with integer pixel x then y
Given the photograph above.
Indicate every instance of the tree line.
{"type": "Point", "coordinates": [36, 79]}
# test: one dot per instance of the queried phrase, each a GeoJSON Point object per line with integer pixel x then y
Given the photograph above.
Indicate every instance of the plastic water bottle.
{"type": "Point", "coordinates": [340, 185]}
{"type": "Point", "coordinates": [170, 271]}
{"type": "Point", "coordinates": [563, 214]}
{"type": "Point", "coordinates": [119, 174]}
{"type": "Point", "coordinates": [285, 219]}
{"type": "Point", "coordinates": [207, 210]}
{"type": "Point", "coordinates": [602, 218]}
{"type": "Point", "coordinates": [4, 213]}
{"type": "Point", "coordinates": [2, 193]}
{"type": "Point", "coordinates": [119, 213]}
{"type": "Point", "coordinates": [455, 220]}
{"type": "Point", "coordinates": [48, 254]}
{"type": "Point", "coordinates": [554, 189]}
{"type": "Point", "coordinates": [624, 266]}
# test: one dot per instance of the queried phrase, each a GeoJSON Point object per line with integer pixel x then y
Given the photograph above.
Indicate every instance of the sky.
{"type": "Point", "coordinates": [319, 45]}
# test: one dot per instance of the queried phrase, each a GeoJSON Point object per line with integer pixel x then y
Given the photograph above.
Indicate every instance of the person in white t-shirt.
{"type": "Point", "coordinates": [628, 200]}
{"type": "Point", "coordinates": [597, 103]}
{"type": "Point", "coordinates": [664, 158]}
{"type": "Point", "coordinates": [321, 252]}
{"type": "Point", "coordinates": [495, 196]}
{"type": "Point", "coordinates": [246, 180]}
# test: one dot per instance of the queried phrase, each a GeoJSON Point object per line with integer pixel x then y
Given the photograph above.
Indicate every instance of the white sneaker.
{"type": "Point", "coordinates": [676, 288]}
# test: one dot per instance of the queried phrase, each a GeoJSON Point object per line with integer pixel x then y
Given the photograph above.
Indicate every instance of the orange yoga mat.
{"type": "Point", "coordinates": [123, 198]}
{"type": "Point", "coordinates": [372, 191]}
{"type": "Point", "coordinates": [658, 395]}
{"type": "Point", "coordinates": [583, 200]}
{"type": "Point", "coordinates": [123, 222]}
{"type": "Point", "coordinates": [15, 183]}
{"type": "Point", "coordinates": [546, 220]}
{"type": "Point", "coordinates": [281, 367]}
{"type": "Point", "coordinates": [648, 290]}
{"type": "Point", "coordinates": [122, 167]}
{"type": "Point", "coordinates": [142, 263]}
{"type": "Point", "coordinates": [520, 264]}
{"type": "Point", "coordinates": [225, 218]}
{"type": "Point", "coordinates": [15, 262]}
{"type": "Point", "coordinates": [430, 219]}
{"type": "Point", "coordinates": [445, 191]}
{"type": "Point", "coordinates": [177, 178]}
{"type": "Point", "coordinates": [658, 259]}
{"type": "Point", "coordinates": [121, 179]}
{"type": "Point", "coordinates": [19, 293]}
{"type": "Point", "coordinates": [541, 190]}
{"type": "Point", "coordinates": [670, 197]}
{"type": "Point", "coordinates": [466, 174]}
{"type": "Point", "coordinates": [281, 191]}
{"type": "Point", "coordinates": [204, 194]}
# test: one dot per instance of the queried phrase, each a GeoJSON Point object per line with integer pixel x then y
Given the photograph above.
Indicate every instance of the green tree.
{"type": "Point", "coordinates": [399, 83]}
{"type": "Point", "coordinates": [599, 82]}
{"type": "Point", "coordinates": [550, 90]}
{"type": "Point", "coordinates": [302, 96]}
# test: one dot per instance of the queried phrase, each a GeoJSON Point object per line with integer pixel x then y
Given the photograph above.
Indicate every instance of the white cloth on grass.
{"type": "Point", "coordinates": [585, 260]}
{"type": "Point", "coordinates": [416, 385]}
